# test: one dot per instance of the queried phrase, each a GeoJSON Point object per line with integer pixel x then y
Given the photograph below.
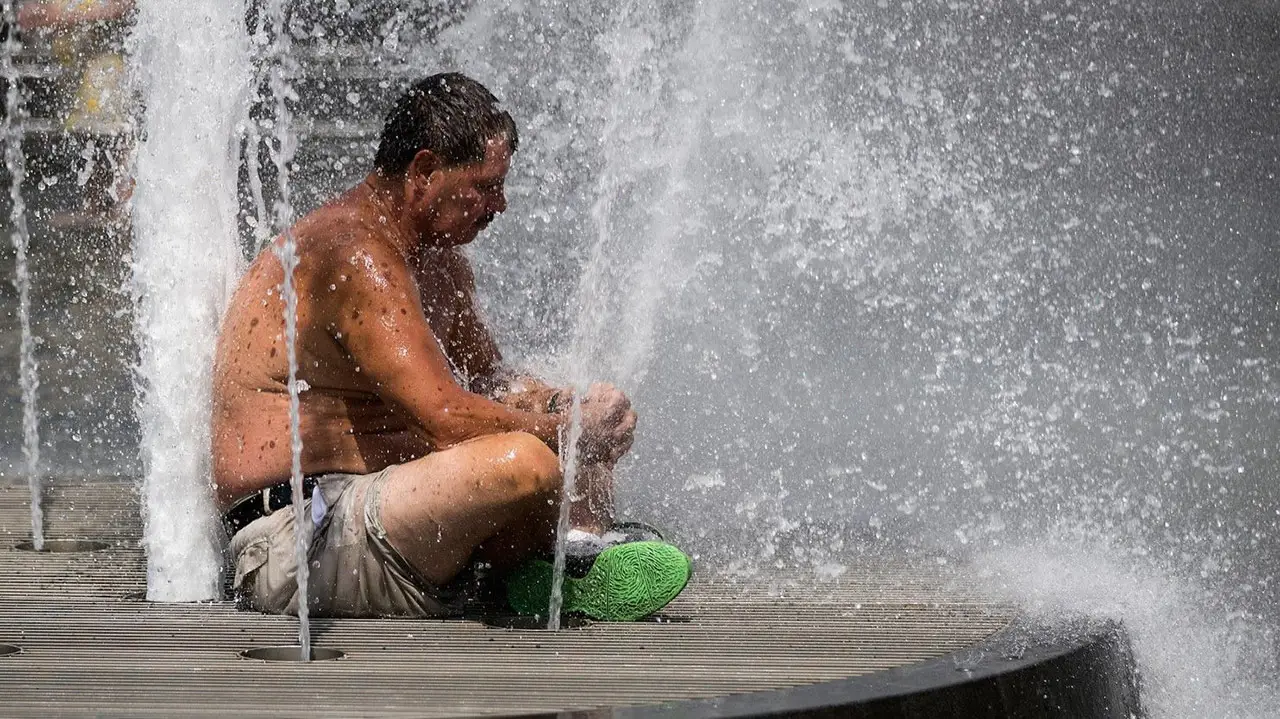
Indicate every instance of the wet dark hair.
{"type": "Point", "coordinates": [449, 114]}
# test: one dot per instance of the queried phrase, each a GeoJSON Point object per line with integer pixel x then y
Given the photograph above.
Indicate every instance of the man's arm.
{"type": "Point", "coordinates": [378, 319]}
{"type": "Point", "coordinates": [476, 353]}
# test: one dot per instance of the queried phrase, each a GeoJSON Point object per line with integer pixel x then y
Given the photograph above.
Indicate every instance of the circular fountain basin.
{"type": "Point", "coordinates": [63, 546]}
{"type": "Point", "coordinates": [8, 650]}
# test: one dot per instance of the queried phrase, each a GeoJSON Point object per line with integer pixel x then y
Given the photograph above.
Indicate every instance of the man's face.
{"type": "Point", "coordinates": [463, 199]}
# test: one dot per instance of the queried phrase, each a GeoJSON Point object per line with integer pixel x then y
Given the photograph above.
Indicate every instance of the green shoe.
{"type": "Point", "coordinates": [625, 582]}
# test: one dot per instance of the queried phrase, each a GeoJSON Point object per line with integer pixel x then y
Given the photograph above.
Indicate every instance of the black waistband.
{"type": "Point", "coordinates": [261, 504]}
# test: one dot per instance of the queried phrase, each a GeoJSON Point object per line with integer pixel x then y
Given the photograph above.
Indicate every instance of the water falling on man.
{"type": "Point", "coordinates": [425, 456]}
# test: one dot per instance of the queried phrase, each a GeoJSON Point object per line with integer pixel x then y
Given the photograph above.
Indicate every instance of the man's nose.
{"type": "Point", "coordinates": [498, 204]}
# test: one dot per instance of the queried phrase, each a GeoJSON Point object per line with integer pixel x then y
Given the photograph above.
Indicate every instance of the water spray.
{"type": "Point", "coordinates": [29, 371]}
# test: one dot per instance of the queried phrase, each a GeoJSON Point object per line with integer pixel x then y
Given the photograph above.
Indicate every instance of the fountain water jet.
{"type": "Point", "coordinates": [568, 471]}
{"type": "Point", "coordinates": [632, 264]}
{"type": "Point", "coordinates": [15, 162]}
{"type": "Point", "coordinates": [282, 152]}
{"type": "Point", "coordinates": [186, 260]}
{"type": "Point", "coordinates": [635, 261]}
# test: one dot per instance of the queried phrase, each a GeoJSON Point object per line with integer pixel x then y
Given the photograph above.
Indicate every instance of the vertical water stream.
{"type": "Point", "coordinates": [286, 251]}
{"type": "Point", "coordinates": [191, 62]}
{"type": "Point", "coordinates": [282, 151]}
{"type": "Point", "coordinates": [568, 469]}
{"type": "Point", "coordinates": [620, 286]}
{"type": "Point", "coordinates": [28, 371]}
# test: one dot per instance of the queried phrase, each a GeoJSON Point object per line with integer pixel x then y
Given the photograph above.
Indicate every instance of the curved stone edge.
{"type": "Point", "coordinates": [1066, 669]}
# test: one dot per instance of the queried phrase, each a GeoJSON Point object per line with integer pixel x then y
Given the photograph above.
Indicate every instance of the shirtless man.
{"type": "Point", "coordinates": [426, 455]}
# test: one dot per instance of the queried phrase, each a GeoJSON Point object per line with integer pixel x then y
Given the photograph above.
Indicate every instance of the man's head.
{"type": "Point", "coordinates": [449, 144]}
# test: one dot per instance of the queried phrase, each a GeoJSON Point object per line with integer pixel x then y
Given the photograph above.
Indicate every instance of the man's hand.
{"type": "Point", "coordinates": [608, 424]}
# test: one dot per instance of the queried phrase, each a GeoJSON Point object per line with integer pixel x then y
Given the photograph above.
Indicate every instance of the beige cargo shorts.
{"type": "Point", "coordinates": [355, 572]}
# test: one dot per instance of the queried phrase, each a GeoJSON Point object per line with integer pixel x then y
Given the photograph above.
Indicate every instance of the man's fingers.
{"type": "Point", "coordinates": [626, 434]}
{"type": "Point", "coordinates": [608, 411]}
{"type": "Point", "coordinates": [623, 446]}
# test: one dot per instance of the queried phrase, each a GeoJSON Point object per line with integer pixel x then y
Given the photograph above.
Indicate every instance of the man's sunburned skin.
{"type": "Point", "coordinates": [366, 289]}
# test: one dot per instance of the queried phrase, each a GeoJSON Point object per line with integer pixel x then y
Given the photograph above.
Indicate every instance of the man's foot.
{"type": "Point", "coordinates": [623, 583]}
{"type": "Point", "coordinates": [582, 547]}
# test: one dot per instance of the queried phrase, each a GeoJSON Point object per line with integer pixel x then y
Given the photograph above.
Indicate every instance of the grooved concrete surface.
{"type": "Point", "coordinates": [92, 647]}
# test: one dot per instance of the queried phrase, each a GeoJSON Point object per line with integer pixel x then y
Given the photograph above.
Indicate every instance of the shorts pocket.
{"type": "Point", "coordinates": [250, 559]}
{"type": "Point", "coordinates": [256, 579]}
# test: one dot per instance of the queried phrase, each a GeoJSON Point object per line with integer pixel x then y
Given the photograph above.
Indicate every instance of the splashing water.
{"type": "Point", "coordinates": [28, 370]}
{"type": "Point", "coordinates": [186, 259]}
{"type": "Point", "coordinates": [631, 265]}
{"type": "Point", "coordinates": [930, 290]}
{"type": "Point", "coordinates": [634, 262]}
{"type": "Point", "coordinates": [1197, 656]}
{"type": "Point", "coordinates": [880, 277]}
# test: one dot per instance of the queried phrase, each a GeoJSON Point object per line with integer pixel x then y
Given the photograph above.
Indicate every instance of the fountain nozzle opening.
{"type": "Point", "coordinates": [290, 653]}
{"type": "Point", "coordinates": [63, 546]}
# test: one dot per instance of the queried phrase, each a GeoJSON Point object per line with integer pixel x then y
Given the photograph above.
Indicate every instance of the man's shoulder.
{"type": "Point", "coordinates": [341, 238]}
{"type": "Point", "coordinates": [338, 223]}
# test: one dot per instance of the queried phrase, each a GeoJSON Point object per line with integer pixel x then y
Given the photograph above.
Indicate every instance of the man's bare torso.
{"type": "Point", "coordinates": [346, 426]}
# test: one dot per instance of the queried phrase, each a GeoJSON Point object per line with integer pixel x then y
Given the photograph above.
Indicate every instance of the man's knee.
{"type": "Point", "coordinates": [537, 468]}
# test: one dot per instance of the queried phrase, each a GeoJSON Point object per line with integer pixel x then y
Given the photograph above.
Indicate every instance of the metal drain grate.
{"type": "Point", "coordinates": [91, 647]}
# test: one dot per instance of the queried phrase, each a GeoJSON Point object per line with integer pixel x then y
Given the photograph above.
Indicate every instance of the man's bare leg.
{"type": "Point", "coordinates": [495, 497]}
{"type": "Point", "coordinates": [592, 506]}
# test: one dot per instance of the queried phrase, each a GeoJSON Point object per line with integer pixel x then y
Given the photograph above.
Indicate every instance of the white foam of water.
{"type": "Point", "coordinates": [28, 370]}
{"type": "Point", "coordinates": [185, 263]}
{"type": "Point", "coordinates": [1196, 657]}
{"type": "Point", "coordinates": [634, 264]}
{"type": "Point", "coordinates": [674, 219]}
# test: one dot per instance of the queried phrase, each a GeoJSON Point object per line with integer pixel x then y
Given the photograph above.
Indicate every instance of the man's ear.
{"type": "Point", "coordinates": [422, 166]}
